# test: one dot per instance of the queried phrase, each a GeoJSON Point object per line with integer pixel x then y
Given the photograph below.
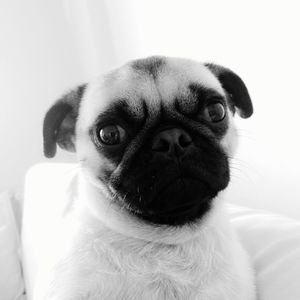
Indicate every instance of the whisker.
{"type": "Point", "coordinates": [110, 203]}
{"type": "Point", "coordinates": [233, 161]}
{"type": "Point", "coordinates": [242, 172]}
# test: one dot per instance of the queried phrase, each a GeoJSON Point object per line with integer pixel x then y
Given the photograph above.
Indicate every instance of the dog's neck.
{"type": "Point", "coordinates": [97, 208]}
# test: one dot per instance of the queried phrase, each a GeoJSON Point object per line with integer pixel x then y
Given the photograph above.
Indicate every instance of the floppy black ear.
{"type": "Point", "coordinates": [235, 87]}
{"type": "Point", "coordinates": [60, 121]}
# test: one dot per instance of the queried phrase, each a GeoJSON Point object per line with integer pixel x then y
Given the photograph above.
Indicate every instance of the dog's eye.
{"type": "Point", "coordinates": [111, 135]}
{"type": "Point", "coordinates": [214, 112]}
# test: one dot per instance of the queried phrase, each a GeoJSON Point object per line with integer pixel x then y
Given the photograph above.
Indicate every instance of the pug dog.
{"type": "Point", "coordinates": [153, 139]}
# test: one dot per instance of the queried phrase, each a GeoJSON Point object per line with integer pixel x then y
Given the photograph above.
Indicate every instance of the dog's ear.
{"type": "Point", "coordinates": [60, 122]}
{"type": "Point", "coordinates": [236, 89]}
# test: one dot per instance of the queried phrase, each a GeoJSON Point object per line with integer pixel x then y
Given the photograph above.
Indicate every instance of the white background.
{"type": "Point", "coordinates": [48, 47]}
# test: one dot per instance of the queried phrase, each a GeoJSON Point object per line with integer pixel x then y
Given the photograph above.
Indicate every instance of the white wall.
{"type": "Point", "coordinates": [49, 46]}
{"type": "Point", "coordinates": [38, 62]}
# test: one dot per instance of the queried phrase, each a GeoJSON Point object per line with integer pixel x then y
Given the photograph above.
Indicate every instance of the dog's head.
{"type": "Point", "coordinates": [154, 136]}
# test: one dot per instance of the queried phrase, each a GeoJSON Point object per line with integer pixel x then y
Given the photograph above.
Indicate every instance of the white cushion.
{"type": "Point", "coordinates": [11, 279]}
{"type": "Point", "coordinates": [45, 200]}
{"type": "Point", "coordinates": [272, 241]}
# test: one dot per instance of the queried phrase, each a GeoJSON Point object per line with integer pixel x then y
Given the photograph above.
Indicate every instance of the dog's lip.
{"type": "Point", "coordinates": [173, 180]}
{"type": "Point", "coordinates": [175, 211]}
{"type": "Point", "coordinates": [179, 209]}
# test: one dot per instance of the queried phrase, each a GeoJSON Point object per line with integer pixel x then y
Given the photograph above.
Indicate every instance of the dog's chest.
{"type": "Point", "coordinates": [140, 270]}
{"type": "Point", "coordinates": [106, 265]}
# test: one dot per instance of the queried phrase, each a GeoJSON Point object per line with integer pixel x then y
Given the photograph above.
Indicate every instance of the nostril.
{"type": "Point", "coordinates": [170, 140]}
{"type": "Point", "coordinates": [184, 140]}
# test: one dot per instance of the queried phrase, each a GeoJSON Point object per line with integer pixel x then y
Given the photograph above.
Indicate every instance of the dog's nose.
{"type": "Point", "coordinates": [170, 142]}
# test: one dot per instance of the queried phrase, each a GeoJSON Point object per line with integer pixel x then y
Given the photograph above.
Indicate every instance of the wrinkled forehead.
{"type": "Point", "coordinates": [155, 82]}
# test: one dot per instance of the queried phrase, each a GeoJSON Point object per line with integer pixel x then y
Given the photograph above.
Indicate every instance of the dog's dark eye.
{"type": "Point", "coordinates": [111, 135]}
{"type": "Point", "coordinates": [214, 112]}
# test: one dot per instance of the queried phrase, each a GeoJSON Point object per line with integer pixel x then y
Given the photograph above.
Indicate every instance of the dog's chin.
{"type": "Point", "coordinates": [184, 200]}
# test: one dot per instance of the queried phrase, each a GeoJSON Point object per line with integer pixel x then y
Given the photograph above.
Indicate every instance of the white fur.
{"type": "Point", "coordinates": [133, 86]}
{"type": "Point", "coordinates": [203, 261]}
{"type": "Point", "coordinates": [109, 254]}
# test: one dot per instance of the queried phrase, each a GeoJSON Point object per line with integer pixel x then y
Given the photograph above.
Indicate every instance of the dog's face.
{"type": "Point", "coordinates": [154, 136]}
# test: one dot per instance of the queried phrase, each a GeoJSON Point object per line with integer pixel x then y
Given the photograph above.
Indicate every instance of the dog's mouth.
{"type": "Point", "coordinates": [180, 201]}
{"type": "Point", "coordinates": [176, 211]}
{"type": "Point", "coordinates": [172, 193]}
